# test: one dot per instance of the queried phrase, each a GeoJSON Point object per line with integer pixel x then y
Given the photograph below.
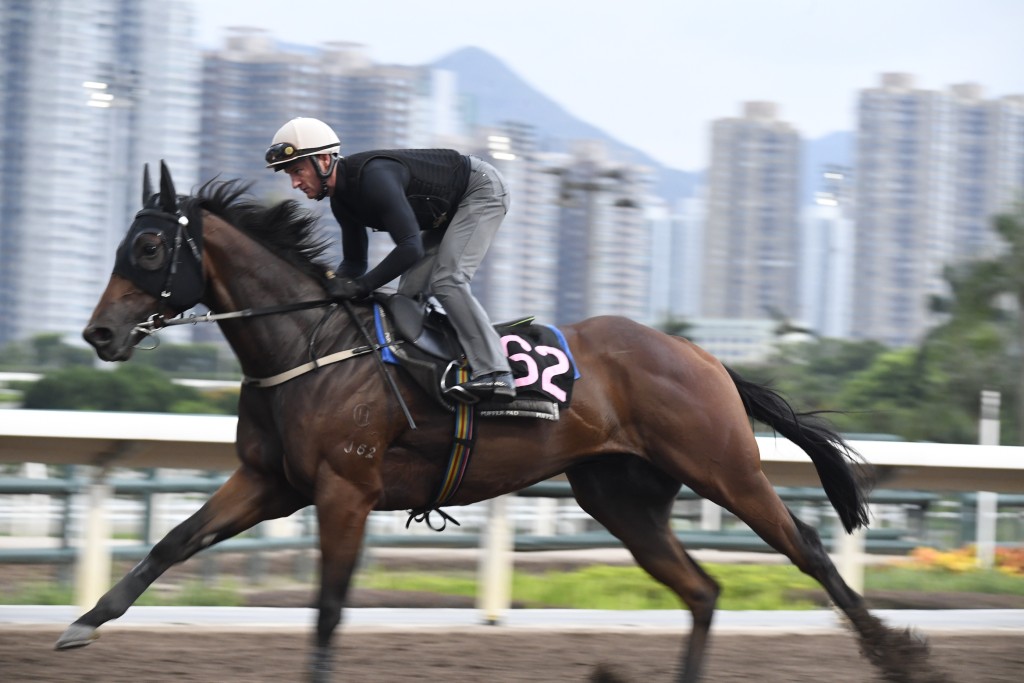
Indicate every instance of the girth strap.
{"type": "Point", "coordinates": [458, 459]}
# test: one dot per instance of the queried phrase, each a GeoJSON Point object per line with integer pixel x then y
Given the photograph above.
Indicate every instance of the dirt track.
{"type": "Point", "coordinates": [178, 655]}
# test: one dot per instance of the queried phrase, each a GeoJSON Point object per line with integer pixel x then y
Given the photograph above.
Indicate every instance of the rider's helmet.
{"type": "Point", "coordinates": [305, 137]}
{"type": "Point", "coordinates": [301, 137]}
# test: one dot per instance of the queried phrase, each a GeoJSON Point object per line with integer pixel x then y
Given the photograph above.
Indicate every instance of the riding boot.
{"type": "Point", "coordinates": [498, 387]}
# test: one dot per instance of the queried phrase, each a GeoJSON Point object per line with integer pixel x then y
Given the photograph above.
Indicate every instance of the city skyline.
{"type": "Point", "coordinates": [376, 105]}
{"type": "Point", "coordinates": [809, 57]}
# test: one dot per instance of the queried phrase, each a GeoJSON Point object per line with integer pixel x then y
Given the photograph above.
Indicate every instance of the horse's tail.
{"type": "Point", "coordinates": [838, 465]}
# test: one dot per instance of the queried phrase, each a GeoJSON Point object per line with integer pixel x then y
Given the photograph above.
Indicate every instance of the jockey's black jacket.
{"type": "Point", "coordinates": [401, 192]}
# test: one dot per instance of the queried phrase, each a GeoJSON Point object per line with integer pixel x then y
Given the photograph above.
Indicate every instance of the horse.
{"type": "Point", "coordinates": [650, 412]}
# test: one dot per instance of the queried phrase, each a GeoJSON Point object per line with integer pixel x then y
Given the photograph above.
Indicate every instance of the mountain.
{"type": "Point", "coordinates": [496, 95]}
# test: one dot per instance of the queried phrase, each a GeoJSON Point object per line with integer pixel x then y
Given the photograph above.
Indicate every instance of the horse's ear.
{"type": "Point", "coordinates": [147, 184]}
{"type": "Point", "coordinates": [168, 199]}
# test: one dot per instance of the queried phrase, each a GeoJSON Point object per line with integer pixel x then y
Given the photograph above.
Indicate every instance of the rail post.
{"type": "Point", "coordinates": [850, 549]}
{"type": "Point", "coordinates": [495, 565]}
{"type": "Point", "coordinates": [986, 509]}
{"type": "Point", "coordinates": [94, 557]}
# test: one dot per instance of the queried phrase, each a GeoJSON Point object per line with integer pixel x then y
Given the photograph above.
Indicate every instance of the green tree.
{"type": "Point", "coordinates": [189, 360]}
{"type": "Point", "coordinates": [1010, 269]}
{"type": "Point", "coordinates": [979, 344]}
{"type": "Point", "coordinates": [135, 388]}
{"type": "Point", "coordinates": [970, 349]}
{"type": "Point", "coordinates": [811, 373]}
{"type": "Point", "coordinates": [44, 351]}
{"type": "Point", "coordinates": [220, 402]}
{"type": "Point", "coordinates": [894, 396]}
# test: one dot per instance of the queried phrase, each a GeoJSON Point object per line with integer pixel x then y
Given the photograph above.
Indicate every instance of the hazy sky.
{"type": "Point", "coordinates": [655, 73]}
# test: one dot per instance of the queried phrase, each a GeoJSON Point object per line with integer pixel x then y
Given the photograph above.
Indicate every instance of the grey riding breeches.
{"type": "Point", "coordinates": [452, 257]}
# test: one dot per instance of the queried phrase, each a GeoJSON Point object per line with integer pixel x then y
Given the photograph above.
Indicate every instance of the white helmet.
{"type": "Point", "coordinates": [301, 137]}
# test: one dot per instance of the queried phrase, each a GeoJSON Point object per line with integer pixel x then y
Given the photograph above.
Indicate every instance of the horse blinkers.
{"type": "Point", "coordinates": [151, 255]}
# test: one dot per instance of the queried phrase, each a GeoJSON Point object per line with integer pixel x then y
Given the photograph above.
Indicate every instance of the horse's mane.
{"type": "Point", "coordinates": [286, 228]}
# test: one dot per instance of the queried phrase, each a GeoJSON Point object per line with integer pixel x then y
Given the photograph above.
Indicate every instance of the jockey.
{"type": "Point", "coordinates": [441, 208]}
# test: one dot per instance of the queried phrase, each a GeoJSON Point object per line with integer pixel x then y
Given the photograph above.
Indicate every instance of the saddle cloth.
{"type": "Point", "coordinates": [420, 339]}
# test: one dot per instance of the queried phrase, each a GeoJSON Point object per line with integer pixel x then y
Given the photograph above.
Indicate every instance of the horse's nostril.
{"type": "Point", "coordinates": [98, 336]}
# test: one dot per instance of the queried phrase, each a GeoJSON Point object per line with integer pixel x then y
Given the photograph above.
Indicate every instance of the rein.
{"type": "Point", "coordinates": [170, 211]}
{"type": "Point", "coordinates": [157, 322]}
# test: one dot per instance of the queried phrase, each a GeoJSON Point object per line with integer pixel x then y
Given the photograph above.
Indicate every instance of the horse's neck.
{"type": "Point", "coordinates": [242, 274]}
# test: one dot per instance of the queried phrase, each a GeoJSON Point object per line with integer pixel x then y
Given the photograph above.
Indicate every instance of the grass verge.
{"type": "Point", "coordinates": [744, 587]}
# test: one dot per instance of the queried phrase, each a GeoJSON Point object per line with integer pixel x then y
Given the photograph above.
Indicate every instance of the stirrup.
{"type": "Point", "coordinates": [459, 394]}
{"type": "Point", "coordinates": [456, 392]}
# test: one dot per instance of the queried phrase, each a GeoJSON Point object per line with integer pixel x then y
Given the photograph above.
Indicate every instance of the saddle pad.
{"type": "Point", "coordinates": [541, 361]}
{"type": "Point", "coordinates": [538, 355]}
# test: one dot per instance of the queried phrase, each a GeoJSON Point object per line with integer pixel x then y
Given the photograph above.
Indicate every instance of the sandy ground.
{"type": "Point", "coordinates": [180, 655]}
{"type": "Point", "coordinates": [153, 655]}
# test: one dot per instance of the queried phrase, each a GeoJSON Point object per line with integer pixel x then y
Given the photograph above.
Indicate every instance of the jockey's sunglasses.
{"type": "Point", "coordinates": [282, 151]}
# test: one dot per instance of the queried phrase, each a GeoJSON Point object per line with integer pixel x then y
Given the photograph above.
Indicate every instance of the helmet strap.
{"type": "Point", "coordinates": [324, 175]}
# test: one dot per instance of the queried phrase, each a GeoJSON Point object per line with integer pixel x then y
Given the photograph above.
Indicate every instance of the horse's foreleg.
{"type": "Point", "coordinates": [342, 509]}
{"type": "Point", "coordinates": [245, 499]}
{"type": "Point", "coordinates": [634, 501]}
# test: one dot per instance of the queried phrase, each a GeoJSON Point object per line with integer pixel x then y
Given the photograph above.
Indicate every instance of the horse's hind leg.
{"type": "Point", "coordinates": [633, 500]}
{"type": "Point", "coordinates": [245, 499]}
{"type": "Point", "coordinates": [899, 656]}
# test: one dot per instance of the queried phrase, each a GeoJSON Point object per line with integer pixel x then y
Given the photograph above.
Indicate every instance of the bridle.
{"type": "Point", "coordinates": [152, 255]}
{"type": "Point", "coordinates": [176, 277]}
{"type": "Point", "coordinates": [193, 283]}
{"type": "Point", "coordinates": [181, 234]}
{"type": "Point", "coordinates": [140, 261]}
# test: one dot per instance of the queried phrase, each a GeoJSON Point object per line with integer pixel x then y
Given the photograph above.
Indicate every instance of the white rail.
{"type": "Point", "coordinates": [207, 442]}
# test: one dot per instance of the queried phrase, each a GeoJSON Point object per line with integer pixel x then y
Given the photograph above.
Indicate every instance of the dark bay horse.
{"type": "Point", "coordinates": [650, 412]}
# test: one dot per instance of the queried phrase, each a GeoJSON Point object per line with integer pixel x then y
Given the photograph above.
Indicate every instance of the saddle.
{"type": "Point", "coordinates": [418, 337]}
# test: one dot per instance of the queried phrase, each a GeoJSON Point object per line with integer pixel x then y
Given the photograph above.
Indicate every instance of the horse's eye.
{"type": "Point", "coordinates": [148, 252]}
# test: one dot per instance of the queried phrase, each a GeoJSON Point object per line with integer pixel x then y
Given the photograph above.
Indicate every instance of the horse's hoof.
{"type": "Point", "coordinates": [320, 676]}
{"type": "Point", "coordinates": [918, 637]}
{"type": "Point", "coordinates": [76, 635]}
{"type": "Point", "coordinates": [320, 666]}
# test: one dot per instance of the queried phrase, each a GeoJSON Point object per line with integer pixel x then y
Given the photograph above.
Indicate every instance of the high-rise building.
{"type": "Point", "coordinates": [932, 169]}
{"type": "Point", "coordinates": [827, 283]}
{"type": "Point", "coordinates": [1008, 151]}
{"type": "Point", "coordinates": [676, 265]}
{"type": "Point", "coordinates": [577, 240]}
{"type": "Point", "coordinates": [663, 268]}
{"type": "Point", "coordinates": [688, 257]}
{"type": "Point", "coordinates": [604, 239]}
{"type": "Point", "coordinates": [752, 235]}
{"type": "Point", "coordinates": [250, 89]}
{"type": "Point", "coordinates": [89, 91]}
{"type": "Point", "coordinates": [519, 277]}
{"type": "Point", "coordinates": [254, 84]}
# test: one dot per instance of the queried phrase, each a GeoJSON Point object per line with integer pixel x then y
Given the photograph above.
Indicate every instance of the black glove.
{"type": "Point", "coordinates": [346, 288]}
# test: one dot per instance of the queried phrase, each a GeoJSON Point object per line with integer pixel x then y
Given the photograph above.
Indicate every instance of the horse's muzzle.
{"type": "Point", "coordinates": [103, 340]}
